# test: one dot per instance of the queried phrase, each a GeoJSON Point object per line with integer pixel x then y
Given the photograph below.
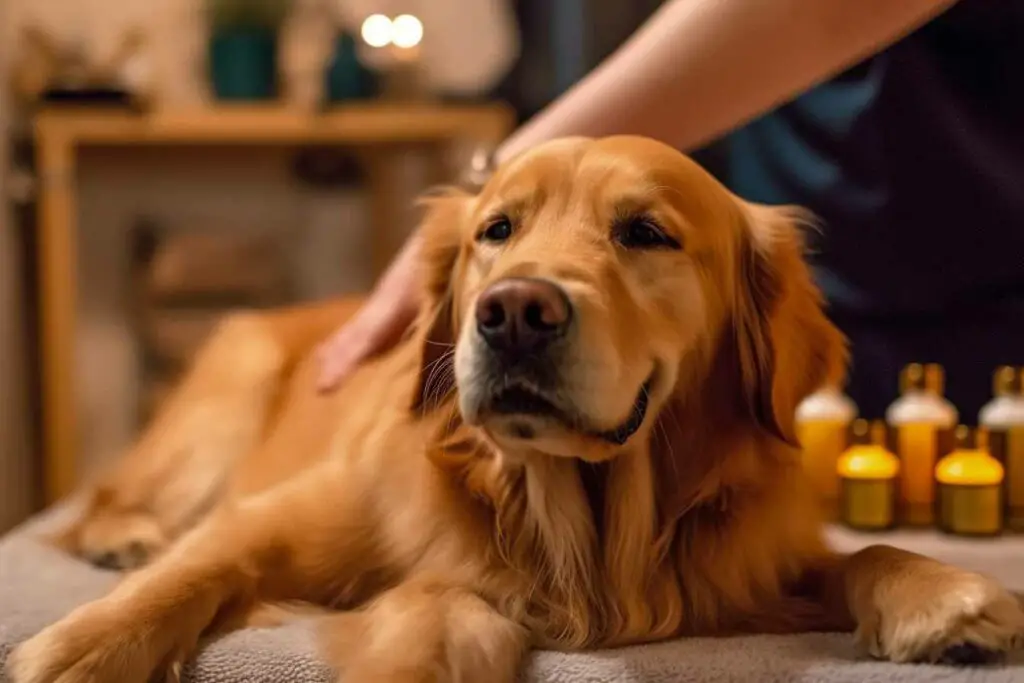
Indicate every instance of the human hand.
{"type": "Point", "coordinates": [378, 325]}
{"type": "Point", "coordinates": [392, 306]}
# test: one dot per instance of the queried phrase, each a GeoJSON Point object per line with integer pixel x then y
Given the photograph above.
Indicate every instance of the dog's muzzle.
{"type": "Point", "coordinates": [523, 323]}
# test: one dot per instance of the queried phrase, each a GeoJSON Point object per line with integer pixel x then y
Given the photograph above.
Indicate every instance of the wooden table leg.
{"type": "Point", "coordinates": [57, 272]}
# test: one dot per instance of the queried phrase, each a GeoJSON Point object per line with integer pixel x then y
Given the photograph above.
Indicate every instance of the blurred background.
{"type": "Point", "coordinates": [162, 162]}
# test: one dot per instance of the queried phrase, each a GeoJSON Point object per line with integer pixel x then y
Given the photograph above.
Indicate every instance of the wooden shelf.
{"type": "Point", "coordinates": [356, 124]}
{"type": "Point", "coordinates": [381, 131]}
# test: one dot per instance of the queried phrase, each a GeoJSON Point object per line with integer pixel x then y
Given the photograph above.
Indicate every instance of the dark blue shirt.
{"type": "Point", "coordinates": [914, 162]}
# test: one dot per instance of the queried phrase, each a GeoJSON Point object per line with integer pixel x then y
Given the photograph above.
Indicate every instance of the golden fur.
{"type": "Point", "coordinates": [446, 544]}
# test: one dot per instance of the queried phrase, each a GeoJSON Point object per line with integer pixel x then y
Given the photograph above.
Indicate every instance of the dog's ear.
{"type": "Point", "coordinates": [778, 348]}
{"type": "Point", "coordinates": [437, 325]}
{"type": "Point", "coordinates": [787, 347]}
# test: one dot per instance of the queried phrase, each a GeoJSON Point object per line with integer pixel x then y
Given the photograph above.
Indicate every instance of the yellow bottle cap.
{"type": "Point", "coordinates": [969, 467]}
{"type": "Point", "coordinates": [868, 458]}
{"type": "Point", "coordinates": [970, 464]}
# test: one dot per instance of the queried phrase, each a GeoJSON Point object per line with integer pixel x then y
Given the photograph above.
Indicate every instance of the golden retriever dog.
{"type": "Point", "coordinates": [585, 441]}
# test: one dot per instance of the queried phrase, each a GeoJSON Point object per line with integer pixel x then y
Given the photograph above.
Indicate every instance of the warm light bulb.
{"type": "Point", "coordinates": [378, 30]}
{"type": "Point", "coordinates": [407, 31]}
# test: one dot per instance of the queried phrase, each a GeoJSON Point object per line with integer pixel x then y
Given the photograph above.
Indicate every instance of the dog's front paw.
{"type": "Point", "coordinates": [942, 616]}
{"type": "Point", "coordinates": [93, 644]}
{"type": "Point", "coordinates": [119, 540]}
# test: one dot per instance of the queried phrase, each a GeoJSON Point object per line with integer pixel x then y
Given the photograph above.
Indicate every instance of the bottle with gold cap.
{"type": "Point", "coordinates": [922, 423]}
{"type": "Point", "coordinates": [970, 485]}
{"type": "Point", "coordinates": [868, 475]}
{"type": "Point", "coordinates": [1003, 416]}
{"type": "Point", "coordinates": [823, 422]}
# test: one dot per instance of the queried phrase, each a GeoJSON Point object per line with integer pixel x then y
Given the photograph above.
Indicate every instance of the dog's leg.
{"type": "Point", "coordinates": [274, 546]}
{"type": "Point", "coordinates": [908, 608]}
{"type": "Point", "coordinates": [216, 416]}
{"type": "Point", "coordinates": [425, 631]}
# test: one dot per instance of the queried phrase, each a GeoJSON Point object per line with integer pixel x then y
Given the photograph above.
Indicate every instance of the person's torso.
{"type": "Point", "coordinates": [914, 162]}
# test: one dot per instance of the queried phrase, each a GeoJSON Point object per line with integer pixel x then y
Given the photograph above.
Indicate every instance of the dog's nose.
{"type": "Point", "coordinates": [522, 314]}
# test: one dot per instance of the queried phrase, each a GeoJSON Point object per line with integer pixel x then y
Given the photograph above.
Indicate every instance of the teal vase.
{"type": "Point", "coordinates": [243, 63]}
{"type": "Point", "coordinates": [347, 78]}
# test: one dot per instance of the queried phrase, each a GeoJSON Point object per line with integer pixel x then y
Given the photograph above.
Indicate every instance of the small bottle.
{"type": "Point", "coordinates": [970, 485]}
{"type": "Point", "coordinates": [922, 423]}
{"type": "Point", "coordinates": [823, 422]}
{"type": "Point", "coordinates": [1003, 416]}
{"type": "Point", "coordinates": [868, 475]}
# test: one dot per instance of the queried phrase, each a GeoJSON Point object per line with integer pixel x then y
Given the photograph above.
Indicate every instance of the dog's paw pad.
{"type": "Point", "coordinates": [966, 654]}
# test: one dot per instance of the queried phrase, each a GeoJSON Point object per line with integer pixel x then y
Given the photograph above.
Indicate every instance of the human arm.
{"type": "Point", "coordinates": [695, 70]}
{"type": "Point", "coordinates": [699, 68]}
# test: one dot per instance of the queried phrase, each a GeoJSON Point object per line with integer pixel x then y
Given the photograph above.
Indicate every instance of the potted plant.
{"type": "Point", "coordinates": [243, 47]}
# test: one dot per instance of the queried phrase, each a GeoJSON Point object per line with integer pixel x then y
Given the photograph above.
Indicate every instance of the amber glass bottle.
{"type": "Point", "coordinates": [868, 475]}
{"type": "Point", "coordinates": [921, 425]}
{"type": "Point", "coordinates": [823, 422]}
{"type": "Point", "coordinates": [1003, 416]}
{"type": "Point", "coordinates": [970, 486]}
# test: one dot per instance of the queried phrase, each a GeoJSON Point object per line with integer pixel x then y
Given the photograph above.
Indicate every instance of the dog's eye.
{"type": "Point", "coordinates": [643, 233]}
{"type": "Point", "coordinates": [497, 230]}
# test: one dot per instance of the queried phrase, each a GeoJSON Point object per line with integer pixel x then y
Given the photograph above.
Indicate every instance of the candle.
{"type": "Point", "coordinates": [823, 426]}
{"type": "Point", "coordinates": [1003, 417]}
{"type": "Point", "coordinates": [922, 424]}
{"type": "Point", "coordinates": [868, 474]}
{"type": "Point", "coordinates": [970, 486]}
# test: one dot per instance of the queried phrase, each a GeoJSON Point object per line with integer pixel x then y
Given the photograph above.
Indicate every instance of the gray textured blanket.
{"type": "Point", "coordinates": [38, 585]}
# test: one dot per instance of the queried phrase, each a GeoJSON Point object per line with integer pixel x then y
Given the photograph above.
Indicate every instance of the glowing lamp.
{"type": "Point", "coordinates": [377, 30]}
{"type": "Point", "coordinates": [406, 31]}
{"type": "Point", "coordinates": [393, 50]}
{"type": "Point", "coordinates": [403, 33]}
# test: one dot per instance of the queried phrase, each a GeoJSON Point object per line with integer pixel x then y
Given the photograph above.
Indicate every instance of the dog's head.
{"type": "Point", "coordinates": [592, 283]}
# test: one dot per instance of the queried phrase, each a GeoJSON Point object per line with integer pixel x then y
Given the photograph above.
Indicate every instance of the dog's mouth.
{"type": "Point", "coordinates": [525, 401]}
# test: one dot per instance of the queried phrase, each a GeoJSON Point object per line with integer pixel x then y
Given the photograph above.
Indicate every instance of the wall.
{"type": "Point", "coordinates": [249, 190]}
{"type": "Point", "coordinates": [173, 28]}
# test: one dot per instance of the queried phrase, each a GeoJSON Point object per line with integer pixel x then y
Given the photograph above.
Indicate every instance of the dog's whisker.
{"type": "Point", "coordinates": [438, 374]}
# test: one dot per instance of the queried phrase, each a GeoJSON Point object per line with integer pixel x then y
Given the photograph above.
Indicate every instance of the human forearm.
{"type": "Point", "coordinates": [699, 68]}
